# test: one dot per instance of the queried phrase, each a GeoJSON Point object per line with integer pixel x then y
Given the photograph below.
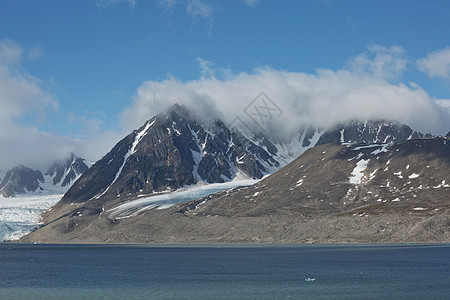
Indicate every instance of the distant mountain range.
{"type": "Point", "coordinates": [58, 178]}
{"type": "Point", "coordinates": [373, 168]}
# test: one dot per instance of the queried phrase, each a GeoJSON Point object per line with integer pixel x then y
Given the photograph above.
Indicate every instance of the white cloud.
{"type": "Point", "coordinates": [20, 93]}
{"type": "Point", "coordinates": [436, 64]}
{"type": "Point", "coordinates": [443, 102]}
{"type": "Point", "coordinates": [35, 53]}
{"type": "Point", "coordinates": [206, 67]}
{"type": "Point", "coordinates": [197, 8]}
{"type": "Point", "coordinates": [322, 99]}
{"type": "Point", "coordinates": [23, 98]}
{"type": "Point", "coordinates": [10, 52]}
{"type": "Point", "coordinates": [383, 62]}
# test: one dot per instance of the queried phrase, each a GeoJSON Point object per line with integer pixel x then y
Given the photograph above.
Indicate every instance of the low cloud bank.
{"type": "Point", "coordinates": [367, 88]}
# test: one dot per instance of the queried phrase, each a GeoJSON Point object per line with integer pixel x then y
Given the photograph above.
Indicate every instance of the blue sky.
{"type": "Point", "coordinates": [87, 67]}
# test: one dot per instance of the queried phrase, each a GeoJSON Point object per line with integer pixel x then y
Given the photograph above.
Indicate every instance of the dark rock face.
{"type": "Point", "coordinates": [20, 180]}
{"type": "Point", "coordinates": [369, 132]}
{"type": "Point", "coordinates": [65, 172]}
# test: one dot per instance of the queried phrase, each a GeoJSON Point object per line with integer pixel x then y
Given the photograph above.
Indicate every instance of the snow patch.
{"type": "Point", "coordinates": [399, 175]}
{"type": "Point", "coordinates": [442, 184]}
{"type": "Point", "coordinates": [413, 175]}
{"type": "Point", "coordinates": [372, 175]}
{"type": "Point", "coordinates": [357, 157]}
{"type": "Point", "coordinates": [384, 149]}
{"type": "Point", "coordinates": [239, 159]}
{"type": "Point", "coordinates": [357, 173]}
{"type": "Point", "coordinates": [419, 208]}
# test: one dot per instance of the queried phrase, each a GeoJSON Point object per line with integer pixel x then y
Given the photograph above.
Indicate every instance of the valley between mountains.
{"type": "Point", "coordinates": [178, 180]}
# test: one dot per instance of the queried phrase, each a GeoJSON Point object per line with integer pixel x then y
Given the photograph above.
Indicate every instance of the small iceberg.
{"type": "Point", "coordinates": [309, 279]}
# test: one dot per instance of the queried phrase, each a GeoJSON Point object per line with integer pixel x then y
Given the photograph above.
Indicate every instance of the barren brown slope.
{"type": "Point", "coordinates": [332, 193]}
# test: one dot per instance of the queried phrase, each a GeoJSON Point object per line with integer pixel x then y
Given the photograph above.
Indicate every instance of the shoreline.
{"type": "Point", "coordinates": [237, 245]}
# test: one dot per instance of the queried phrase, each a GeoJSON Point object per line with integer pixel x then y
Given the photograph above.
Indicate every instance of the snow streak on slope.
{"type": "Point", "coordinates": [131, 151]}
{"type": "Point", "coordinates": [20, 215]}
{"type": "Point", "coordinates": [197, 156]}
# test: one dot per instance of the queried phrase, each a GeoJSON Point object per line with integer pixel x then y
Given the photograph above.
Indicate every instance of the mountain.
{"type": "Point", "coordinates": [169, 151]}
{"type": "Point", "coordinates": [393, 192]}
{"type": "Point", "coordinates": [20, 180]}
{"type": "Point", "coordinates": [174, 150]}
{"type": "Point", "coordinates": [65, 172]}
{"type": "Point", "coordinates": [58, 178]}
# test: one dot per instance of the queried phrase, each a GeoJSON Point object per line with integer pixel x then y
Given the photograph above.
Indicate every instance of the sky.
{"type": "Point", "coordinates": [80, 75]}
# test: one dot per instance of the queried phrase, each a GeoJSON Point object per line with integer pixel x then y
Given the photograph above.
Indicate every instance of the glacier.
{"type": "Point", "coordinates": [22, 214]}
{"type": "Point", "coordinates": [166, 200]}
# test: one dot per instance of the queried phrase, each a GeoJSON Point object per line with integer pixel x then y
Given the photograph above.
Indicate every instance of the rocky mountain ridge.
{"type": "Point", "coordinates": [58, 178]}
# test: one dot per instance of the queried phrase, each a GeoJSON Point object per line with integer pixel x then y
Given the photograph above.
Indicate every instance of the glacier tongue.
{"type": "Point", "coordinates": [166, 200]}
{"type": "Point", "coordinates": [21, 215]}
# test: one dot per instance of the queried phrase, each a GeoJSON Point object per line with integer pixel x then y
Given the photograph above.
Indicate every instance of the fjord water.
{"type": "Point", "coordinates": [224, 272]}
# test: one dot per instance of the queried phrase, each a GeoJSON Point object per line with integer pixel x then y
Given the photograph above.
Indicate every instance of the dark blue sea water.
{"type": "Point", "coordinates": [224, 272]}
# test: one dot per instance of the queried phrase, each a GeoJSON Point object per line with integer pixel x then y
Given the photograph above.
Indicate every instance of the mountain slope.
{"type": "Point", "coordinates": [336, 179]}
{"type": "Point", "coordinates": [332, 193]}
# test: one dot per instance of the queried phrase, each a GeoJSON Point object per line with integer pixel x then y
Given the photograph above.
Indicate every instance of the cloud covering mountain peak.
{"type": "Point", "coordinates": [367, 88]}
